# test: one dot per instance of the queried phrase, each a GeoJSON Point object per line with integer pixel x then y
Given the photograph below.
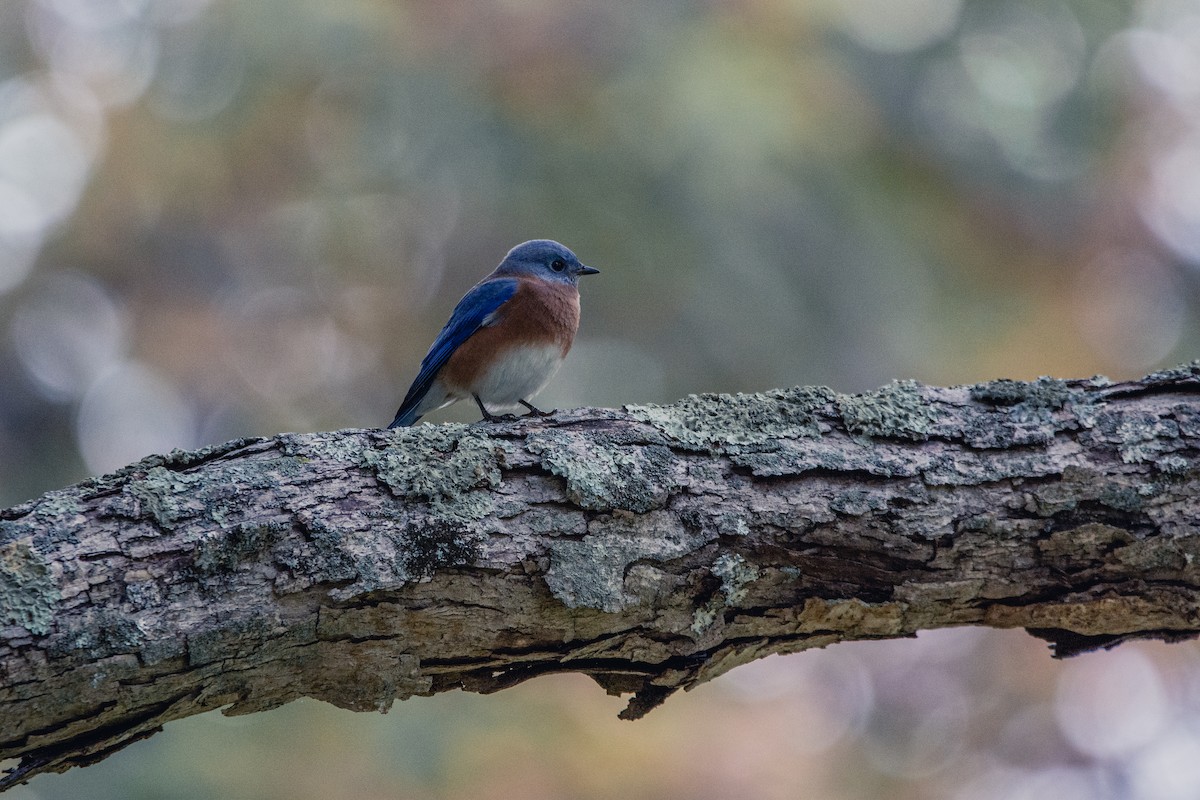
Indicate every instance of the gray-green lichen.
{"type": "Point", "coordinates": [143, 594]}
{"type": "Point", "coordinates": [1045, 392]}
{"type": "Point", "coordinates": [441, 465]}
{"type": "Point", "coordinates": [12, 531]}
{"type": "Point", "coordinates": [98, 632]}
{"type": "Point", "coordinates": [28, 593]}
{"type": "Point", "coordinates": [58, 510]}
{"type": "Point", "coordinates": [711, 421]}
{"type": "Point", "coordinates": [602, 475]}
{"type": "Point", "coordinates": [1122, 498]}
{"type": "Point", "coordinates": [346, 446]}
{"type": "Point", "coordinates": [1173, 465]}
{"type": "Point", "coordinates": [220, 550]}
{"type": "Point", "coordinates": [170, 498]}
{"type": "Point", "coordinates": [858, 502]}
{"type": "Point", "coordinates": [590, 572]}
{"type": "Point", "coordinates": [233, 637]}
{"type": "Point", "coordinates": [735, 574]}
{"type": "Point", "coordinates": [965, 469]}
{"type": "Point", "coordinates": [1182, 372]}
{"type": "Point", "coordinates": [411, 548]}
{"type": "Point", "coordinates": [704, 617]}
{"type": "Point", "coordinates": [164, 496]}
{"type": "Point", "coordinates": [553, 521]}
{"type": "Point", "coordinates": [1057, 497]}
{"type": "Point", "coordinates": [895, 411]}
{"type": "Point", "coordinates": [324, 555]}
{"type": "Point", "coordinates": [1081, 486]}
{"type": "Point", "coordinates": [1027, 412]}
{"type": "Point", "coordinates": [1144, 436]}
{"type": "Point", "coordinates": [732, 524]}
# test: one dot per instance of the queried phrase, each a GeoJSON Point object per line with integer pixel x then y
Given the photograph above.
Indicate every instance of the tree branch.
{"type": "Point", "coordinates": [652, 548]}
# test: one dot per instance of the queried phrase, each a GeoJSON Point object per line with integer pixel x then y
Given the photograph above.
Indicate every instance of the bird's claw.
{"type": "Point", "coordinates": [534, 411]}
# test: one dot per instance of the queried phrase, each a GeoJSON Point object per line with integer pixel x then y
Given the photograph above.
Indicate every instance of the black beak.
{"type": "Point", "coordinates": [587, 270]}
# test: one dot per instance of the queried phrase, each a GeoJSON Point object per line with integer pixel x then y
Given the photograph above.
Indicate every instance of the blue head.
{"type": "Point", "coordinates": [545, 259]}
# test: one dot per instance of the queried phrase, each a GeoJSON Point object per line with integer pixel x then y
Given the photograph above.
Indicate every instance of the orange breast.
{"type": "Point", "coordinates": [539, 313]}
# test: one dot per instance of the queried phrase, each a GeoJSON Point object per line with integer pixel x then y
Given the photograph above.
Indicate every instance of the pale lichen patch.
{"type": "Point", "coordinates": [895, 411]}
{"type": "Point", "coordinates": [1176, 374]}
{"type": "Point", "coordinates": [440, 465]}
{"type": "Point", "coordinates": [60, 515]}
{"type": "Point", "coordinates": [221, 549]}
{"type": "Point", "coordinates": [1143, 437]}
{"type": "Point", "coordinates": [163, 496]}
{"type": "Point", "coordinates": [736, 574]}
{"type": "Point", "coordinates": [464, 460]}
{"type": "Point", "coordinates": [28, 592]}
{"type": "Point", "coordinates": [714, 421]}
{"type": "Point", "coordinates": [858, 502]}
{"type": "Point", "coordinates": [99, 633]}
{"type": "Point", "coordinates": [1045, 392]}
{"type": "Point", "coordinates": [601, 475]}
{"type": "Point", "coordinates": [591, 572]}
{"type": "Point", "coordinates": [1173, 465]}
{"type": "Point", "coordinates": [172, 499]}
{"type": "Point", "coordinates": [1026, 412]}
{"type": "Point", "coordinates": [340, 446]}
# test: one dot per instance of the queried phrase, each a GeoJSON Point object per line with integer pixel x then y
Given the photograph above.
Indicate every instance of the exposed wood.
{"type": "Point", "coordinates": [652, 548]}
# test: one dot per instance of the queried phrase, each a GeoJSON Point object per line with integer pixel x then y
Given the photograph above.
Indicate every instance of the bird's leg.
{"type": "Point", "coordinates": [489, 416]}
{"type": "Point", "coordinates": [536, 412]}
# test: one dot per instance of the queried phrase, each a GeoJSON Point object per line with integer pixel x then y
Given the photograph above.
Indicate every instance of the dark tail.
{"type": "Point", "coordinates": [408, 413]}
{"type": "Point", "coordinates": [405, 417]}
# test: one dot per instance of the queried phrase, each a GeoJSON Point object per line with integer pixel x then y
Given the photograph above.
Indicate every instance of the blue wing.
{"type": "Point", "coordinates": [469, 315]}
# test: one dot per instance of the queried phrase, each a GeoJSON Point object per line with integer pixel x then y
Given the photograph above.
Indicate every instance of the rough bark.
{"type": "Point", "coordinates": [652, 548]}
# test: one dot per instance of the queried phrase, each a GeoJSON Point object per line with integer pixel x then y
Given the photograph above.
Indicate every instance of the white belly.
{"type": "Point", "coordinates": [519, 374]}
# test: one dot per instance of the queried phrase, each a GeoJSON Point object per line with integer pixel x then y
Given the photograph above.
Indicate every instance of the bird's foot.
{"type": "Point", "coordinates": [489, 416]}
{"type": "Point", "coordinates": [537, 412]}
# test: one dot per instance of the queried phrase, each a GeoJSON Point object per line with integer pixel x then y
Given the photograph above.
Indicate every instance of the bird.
{"type": "Point", "coordinates": [506, 337]}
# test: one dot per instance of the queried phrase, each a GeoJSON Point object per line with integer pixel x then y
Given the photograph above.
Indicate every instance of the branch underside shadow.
{"type": "Point", "coordinates": [652, 548]}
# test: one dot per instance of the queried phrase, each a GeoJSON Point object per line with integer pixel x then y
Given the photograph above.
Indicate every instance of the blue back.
{"type": "Point", "coordinates": [468, 316]}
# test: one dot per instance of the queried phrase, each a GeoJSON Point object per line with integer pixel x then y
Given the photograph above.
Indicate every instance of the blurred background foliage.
{"type": "Point", "coordinates": [221, 219]}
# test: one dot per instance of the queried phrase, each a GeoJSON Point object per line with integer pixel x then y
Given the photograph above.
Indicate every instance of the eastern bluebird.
{"type": "Point", "coordinates": [505, 338]}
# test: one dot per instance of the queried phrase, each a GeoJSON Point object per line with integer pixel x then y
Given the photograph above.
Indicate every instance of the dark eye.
{"type": "Point", "coordinates": [558, 265]}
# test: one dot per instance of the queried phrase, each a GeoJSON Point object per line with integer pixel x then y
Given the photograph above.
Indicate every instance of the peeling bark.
{"type": "Point", "coordinates": [652, 548]}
